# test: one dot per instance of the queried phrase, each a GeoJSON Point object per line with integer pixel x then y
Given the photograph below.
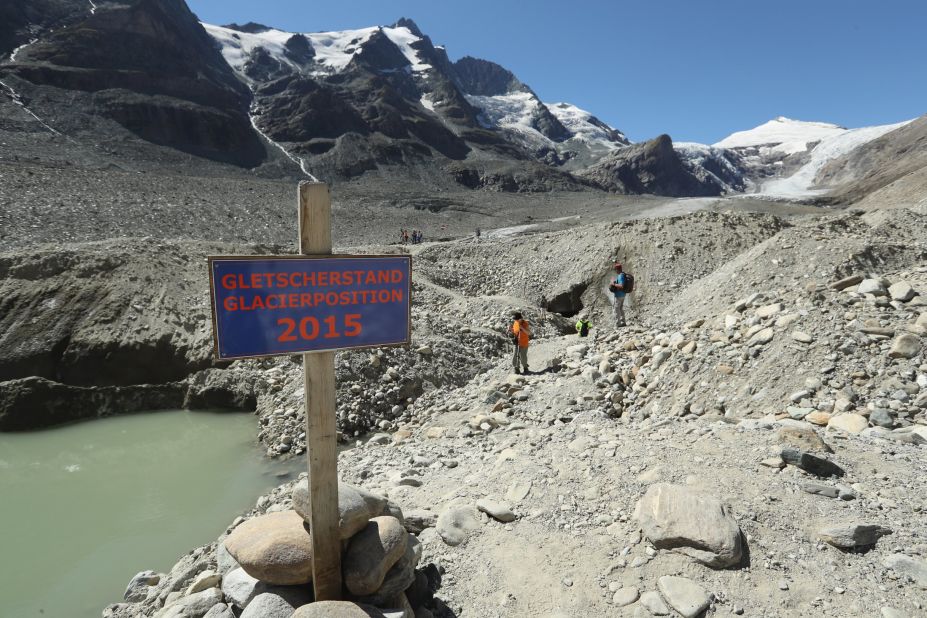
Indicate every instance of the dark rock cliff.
{"type": "Point", "coordinates": [649, 167]}
{"type": "Point", "coordinates": [153, 69]}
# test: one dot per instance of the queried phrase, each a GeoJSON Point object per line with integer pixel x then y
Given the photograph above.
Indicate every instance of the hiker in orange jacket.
{"type": "Point", "coordinates": [521, 335]}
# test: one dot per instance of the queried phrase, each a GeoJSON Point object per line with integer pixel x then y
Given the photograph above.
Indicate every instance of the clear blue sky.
{"type": "Point", "coordinates": [696, 69]}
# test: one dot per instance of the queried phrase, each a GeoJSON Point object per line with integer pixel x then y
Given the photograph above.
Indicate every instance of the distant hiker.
{"type": "Point", "coordinates": [583, 326]}
{"type": "Point", "coordinates": [405, 237]}
{"type": "Point", "coordinates": [621, 286]}
{"type": "Point", "coordinates": [520, 332]}
{"type": "Point", "coordinates": [402, 236]}
{"type": "Point", "coordinates": [478, 232]}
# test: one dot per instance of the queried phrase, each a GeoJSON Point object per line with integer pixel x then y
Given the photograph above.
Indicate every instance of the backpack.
{"type": "Point", "coordinates": [628, 283]}
{"type": "Point", "coordinates": [513, 336]}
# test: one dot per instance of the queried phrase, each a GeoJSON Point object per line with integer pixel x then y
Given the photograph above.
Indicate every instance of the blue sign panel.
{"type": "Point", "coordinates": [263, 306]}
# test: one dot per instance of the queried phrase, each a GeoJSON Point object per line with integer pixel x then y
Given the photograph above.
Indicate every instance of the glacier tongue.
{"type": "Point", "coordinates": [801, 182]}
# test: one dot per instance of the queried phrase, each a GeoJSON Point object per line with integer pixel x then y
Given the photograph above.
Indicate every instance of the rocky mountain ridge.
{"type": "Point", "coordinates": [141, 83]}
{"type": "Point", "coordinates": [392, 82]}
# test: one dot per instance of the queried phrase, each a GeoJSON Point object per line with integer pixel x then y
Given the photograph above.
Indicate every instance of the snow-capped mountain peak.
{"type": "Point", "coordinates": [331, 51]}
{"type": "Point", "coordinates": [782, 134]}
{"type": "Point", "coordinates": [501, 102]}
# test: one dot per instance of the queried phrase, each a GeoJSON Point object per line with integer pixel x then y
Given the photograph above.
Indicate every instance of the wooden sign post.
{"type": "Point", "coordinates": [313, 304]}
{"type": "Point", "coordinates": [315, 238]}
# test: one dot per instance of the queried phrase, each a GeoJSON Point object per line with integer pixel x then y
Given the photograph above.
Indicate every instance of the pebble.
{"type": "Point", "coordinates": [497, 510]}
{"type": "Point", "coordinates": [811, 463]}
{"type": "Point", "coordinates": [684, 595]}
{"type": "Point", "coordinates": [626, 596]}
{"type": "Point", "coordinates": [654, 603]}
{"type": "Point", "coordinates": [821, 490]}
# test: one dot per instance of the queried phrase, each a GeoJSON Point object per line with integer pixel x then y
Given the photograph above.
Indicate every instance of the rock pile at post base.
{"type": "Point", "coordinates": [263, 568]}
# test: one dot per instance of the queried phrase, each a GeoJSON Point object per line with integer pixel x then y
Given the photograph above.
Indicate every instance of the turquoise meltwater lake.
{"type": "Point", "coordinates": [86, 506]}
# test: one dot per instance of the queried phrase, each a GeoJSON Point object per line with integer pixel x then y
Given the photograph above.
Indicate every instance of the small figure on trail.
{"type": "Point", "coordinates": [402, 235]}
{"type": "Point", "coordinates": [621, 286]}
{"type": "Point", "coordinates": [478, 232]}
{"type": "Point", "coordinates": [520, 332]}
{"type": "Point", "coordinates": [405, 237]}
{"type": "Point", "coordinates": [583, 326]}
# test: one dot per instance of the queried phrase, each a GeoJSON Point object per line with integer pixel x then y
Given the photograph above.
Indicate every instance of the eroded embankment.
{"type": "Point", "coordinates": [101, 328]}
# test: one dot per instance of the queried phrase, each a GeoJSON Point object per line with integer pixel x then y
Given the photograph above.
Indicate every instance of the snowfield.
{"type": "Point", "coordinates": [584, 125]}
{"type": "Point", "coordinates": [513, 111]}
{"type": "Point", "coordinates": [782, 135]}
{"type": "Point", "coordinates": [333, 50]}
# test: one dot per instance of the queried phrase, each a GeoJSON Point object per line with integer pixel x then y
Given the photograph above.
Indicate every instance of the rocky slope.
{"type": "Point", "coordinates": [751, 445]}
{"type": "Point", "coordinates": [23, 22]}
{"type": "Point", "coordinates": [896, 158]}
{"type": "Point", "coordinates": [147, 66]}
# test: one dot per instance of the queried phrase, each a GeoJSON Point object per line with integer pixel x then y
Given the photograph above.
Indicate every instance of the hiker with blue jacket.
{"type": "Point", "coordinates": [621, 286]}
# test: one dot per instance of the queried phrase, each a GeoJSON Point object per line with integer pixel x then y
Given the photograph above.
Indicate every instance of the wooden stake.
{"type": "Point", "coordinates": [315, 237]}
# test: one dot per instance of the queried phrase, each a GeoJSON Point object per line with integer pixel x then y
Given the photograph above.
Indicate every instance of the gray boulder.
{"type": "Point", "coordinates": [811, 463]}
{"type": "Point", "coordinates": [905, 346]}
{"type": "Point", "coordinates": [268, 605]}
{"type": "Point", "coordinates": [495, 509]}
{"type": "Point", "coordinates": [684, 595]}
{"type": "Point", "coordinates": [138, 587]}
{"type": "Point", "coordinates": [220, 610]}
{"type": "Point", "coordinates": [456, 523]}
{"type": "Point", "coordinates": [872, 286]}
{"type": "Point", "coordinates": [906, 565]}
{"type": "Point", "coordinates": [398, 578]}
{"type": "Point", "coordinates": [355, 506]}
{"type": "Point", "coordinates": [225, 561]}
{"type": "Point", "coordinates": [690, 522]}
{"type": "Point", "coordinates": [342, 609]}
{"type": "Point", "coordinates": [192, 606]}
{"type": "Point", "coordinates": [239, 587]}
{"type": "Point", "coordinates": [371, 553]}
{"type": "Point", "coordinates": [901, 291]}
{"type": "Point", "coordinates": [848, 536]}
